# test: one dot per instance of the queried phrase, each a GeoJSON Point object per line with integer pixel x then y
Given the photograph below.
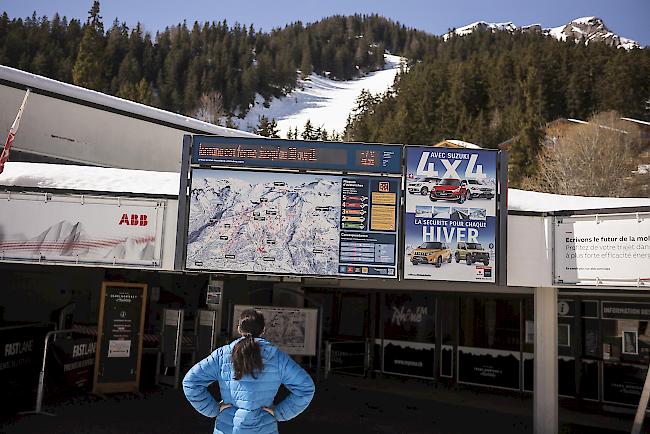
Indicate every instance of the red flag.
{"type": "Point", "coordinates": [12, 134]}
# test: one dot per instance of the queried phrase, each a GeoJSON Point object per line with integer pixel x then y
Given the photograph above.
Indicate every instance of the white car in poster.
{"type": "Point", "coordinates": [422, 185]}
{"type": "Point", "coordinates": [478, 189]}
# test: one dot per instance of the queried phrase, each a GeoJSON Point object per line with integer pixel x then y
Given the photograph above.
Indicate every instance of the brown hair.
{"type": "Point", "coordinates": [247, 354]}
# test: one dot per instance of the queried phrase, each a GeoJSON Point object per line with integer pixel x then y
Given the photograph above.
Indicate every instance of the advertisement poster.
{"type": "Point", "coordinates": [603, 250]}
{"type": "Point", "coordinates": [450, 219]}
{"type": "Point", "coordinates": [81, 229]}
{"type": "Point", "coordinates": [290, 223]}
{"type": "Point", "coordinates": [410, 317]}
{"type": "Point", "coordinates": [293, 330]}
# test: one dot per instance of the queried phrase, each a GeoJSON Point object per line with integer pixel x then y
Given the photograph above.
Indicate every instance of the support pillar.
{"type": "Point", "coordinates": [545, 398]}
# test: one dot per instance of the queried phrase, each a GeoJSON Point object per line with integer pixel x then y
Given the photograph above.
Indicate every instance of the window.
{"type": "Point", "coordinates": [490, 323]}
{"type": "Point", "coordinates": [630, 342]}
{"type": "Point", "coordinates": [564, 335]}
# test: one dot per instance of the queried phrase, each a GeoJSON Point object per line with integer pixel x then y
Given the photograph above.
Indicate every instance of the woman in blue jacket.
{"type": "Point", "coordinates": [249, 371]}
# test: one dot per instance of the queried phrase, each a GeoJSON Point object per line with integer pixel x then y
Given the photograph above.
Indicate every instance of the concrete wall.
{"type": "Point", "coordinates": [530, 251]}
{"type": "Point", "coordinates": [118, 133]}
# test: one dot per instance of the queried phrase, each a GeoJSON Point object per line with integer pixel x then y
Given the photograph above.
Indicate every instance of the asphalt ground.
{"type": "Point", "coordinates": [341, 405]}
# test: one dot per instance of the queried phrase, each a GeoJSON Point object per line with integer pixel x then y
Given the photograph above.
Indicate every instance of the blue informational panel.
{"type": "Point", "coordinates": [296, 154]}
{"type": "Point", "coordinates": [450, 214]}
{"type": "Point", "coordinates": [293, 223]}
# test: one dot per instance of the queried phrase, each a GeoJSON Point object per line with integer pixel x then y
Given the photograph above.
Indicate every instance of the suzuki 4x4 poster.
{"type": "Point", "coordinates": [450, 225]}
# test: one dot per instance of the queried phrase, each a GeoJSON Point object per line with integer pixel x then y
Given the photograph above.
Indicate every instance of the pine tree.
{"type": "Point", "coordinates": [308, 131]}
{"type": "Point", "coordinates": [306, 67]}
{"type": "Point", "coordinates": [89, 68]}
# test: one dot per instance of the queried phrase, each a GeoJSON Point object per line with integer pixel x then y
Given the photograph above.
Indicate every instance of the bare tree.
{"type": "Point", "coordinates": [591, 159]}
{"type": "Point", "coordinates": [210, 108]}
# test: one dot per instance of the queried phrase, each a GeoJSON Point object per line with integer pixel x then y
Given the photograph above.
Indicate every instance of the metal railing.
{"type": "Point", "coordinates": [41, 375]}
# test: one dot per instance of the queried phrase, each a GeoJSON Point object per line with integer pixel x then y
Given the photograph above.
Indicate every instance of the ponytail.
{"type": "Point", "coordinates": [247, 354]}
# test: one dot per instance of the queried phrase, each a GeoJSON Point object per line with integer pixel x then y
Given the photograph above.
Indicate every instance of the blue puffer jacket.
{"type": "Point", "coordinates": [249, 394]}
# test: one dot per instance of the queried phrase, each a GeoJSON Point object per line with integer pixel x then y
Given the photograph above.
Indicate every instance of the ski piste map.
{"type": "Point", "coordinates": [292, 223]}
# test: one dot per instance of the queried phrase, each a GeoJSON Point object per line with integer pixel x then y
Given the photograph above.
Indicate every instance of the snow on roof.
{"type": "Point", "coordinates": [522, 200]}
{"type": "Point", "coordinates": [463, 144]}
{"type": "Point", "coordinates": [101, 179]}
{"type": "Point", "coordinates": [636, 121]}
{"type": "Point", "coordinates": [88, 178]}
{"type": "Point", "coordinates": [38, 82]}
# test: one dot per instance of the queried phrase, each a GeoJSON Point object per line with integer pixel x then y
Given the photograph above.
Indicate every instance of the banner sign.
{"type": "Point", "coordinates": [488, 367]}
{"type": "Point", "coordinates": [623, 383]}
{"type": "Point", "coordinates": [626, 310]}
{"type": "Point", "coordinates": [293, 330]}
{"type": "Point", "coordinates": [293, 223]}
{"type": "Point", "coordinates": [603, 250]}
{"type": "Point", "coordinates": [75, 358]}
{"type": "Point", "coordinates": [21, 355]}
{"type": "Point", "coordinates": [296, 154]}
{"type": "Point", "coordinates": [81, 229]}
{"type": "Point", "coordinates": [119, 337]}
{"type": "Point", "coordinates": [450, 220]}
{"type": "Point", "coordinates": [409, 358]}
{"type": "Point", "coordinates": [410, 317]}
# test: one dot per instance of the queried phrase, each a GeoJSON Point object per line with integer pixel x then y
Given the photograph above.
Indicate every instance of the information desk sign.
{"type": "Point", "coordinates": [119, 337]}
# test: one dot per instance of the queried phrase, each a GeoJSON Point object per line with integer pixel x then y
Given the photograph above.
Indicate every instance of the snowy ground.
{"type": "Point", "coordinates": [325, 102]}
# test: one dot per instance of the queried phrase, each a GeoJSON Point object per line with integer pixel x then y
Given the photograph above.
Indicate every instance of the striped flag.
{"type": "Point", "coordinates": [12, 134]}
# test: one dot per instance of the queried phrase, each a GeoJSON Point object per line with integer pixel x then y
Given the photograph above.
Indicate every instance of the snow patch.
{"type": "Point", "coordinates": [325, 102]}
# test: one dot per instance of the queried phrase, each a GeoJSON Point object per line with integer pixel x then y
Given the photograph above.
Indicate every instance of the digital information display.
{"type": "Point", "coordinates": [295, 154]}
{"type": "Point", "coordinates": [293, 223]}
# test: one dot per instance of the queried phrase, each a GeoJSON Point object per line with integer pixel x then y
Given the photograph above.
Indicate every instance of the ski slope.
{"type": "Point", "coordinates": [325, 102]}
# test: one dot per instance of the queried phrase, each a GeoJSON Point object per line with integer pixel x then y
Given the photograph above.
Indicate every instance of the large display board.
{"type": "Point", "coordinates": [81, 229]}
{"type": "Point", "coordinates": [292, 329]}
{"type": "Point", "coordinates": [307, 224]}
{"type": "Point", "coordinates": [450, 218]}
{"type": "Point", "coordinates": [603, 250]}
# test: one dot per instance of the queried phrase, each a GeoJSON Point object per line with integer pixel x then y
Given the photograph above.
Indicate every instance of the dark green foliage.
{"type": "Point", "coordinates": [267, 128]}
{"type": "Point", "coordinates": [182, 63]}
{"type": "Point", "coordinates": [487, 88]}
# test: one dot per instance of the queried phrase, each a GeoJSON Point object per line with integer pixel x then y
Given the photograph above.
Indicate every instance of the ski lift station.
{"type": "Point", "coordinates": [132, 237]}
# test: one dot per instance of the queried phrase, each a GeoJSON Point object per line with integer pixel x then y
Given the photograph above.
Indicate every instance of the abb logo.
{"type": "Point", "coordinates": [134, 220]}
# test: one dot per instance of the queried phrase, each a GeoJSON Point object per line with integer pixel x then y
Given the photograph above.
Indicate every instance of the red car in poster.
{"type": "Point", "coordinates": [450, 189]}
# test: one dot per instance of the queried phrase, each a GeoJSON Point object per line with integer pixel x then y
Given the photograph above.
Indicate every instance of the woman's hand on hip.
{"type": "Point", "coordinates": [223, 406]}
{"type": "Point", "coordinates": [269, 410]}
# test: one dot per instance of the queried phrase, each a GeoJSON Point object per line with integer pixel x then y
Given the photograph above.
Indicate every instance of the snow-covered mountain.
{"type": "Point", "coordinates": [587, 29]}
{"type": "Point", "coordinates": [325, 102]}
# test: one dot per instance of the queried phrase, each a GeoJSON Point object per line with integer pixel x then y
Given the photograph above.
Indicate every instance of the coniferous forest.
{"type": "Point", "coordinates": [175, 67]}
{"type": "Point", "coordinates": [484, 87]}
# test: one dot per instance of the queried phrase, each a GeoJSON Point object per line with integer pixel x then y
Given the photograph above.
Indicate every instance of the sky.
{"type": "Point", "coordinates": [630, 19]}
